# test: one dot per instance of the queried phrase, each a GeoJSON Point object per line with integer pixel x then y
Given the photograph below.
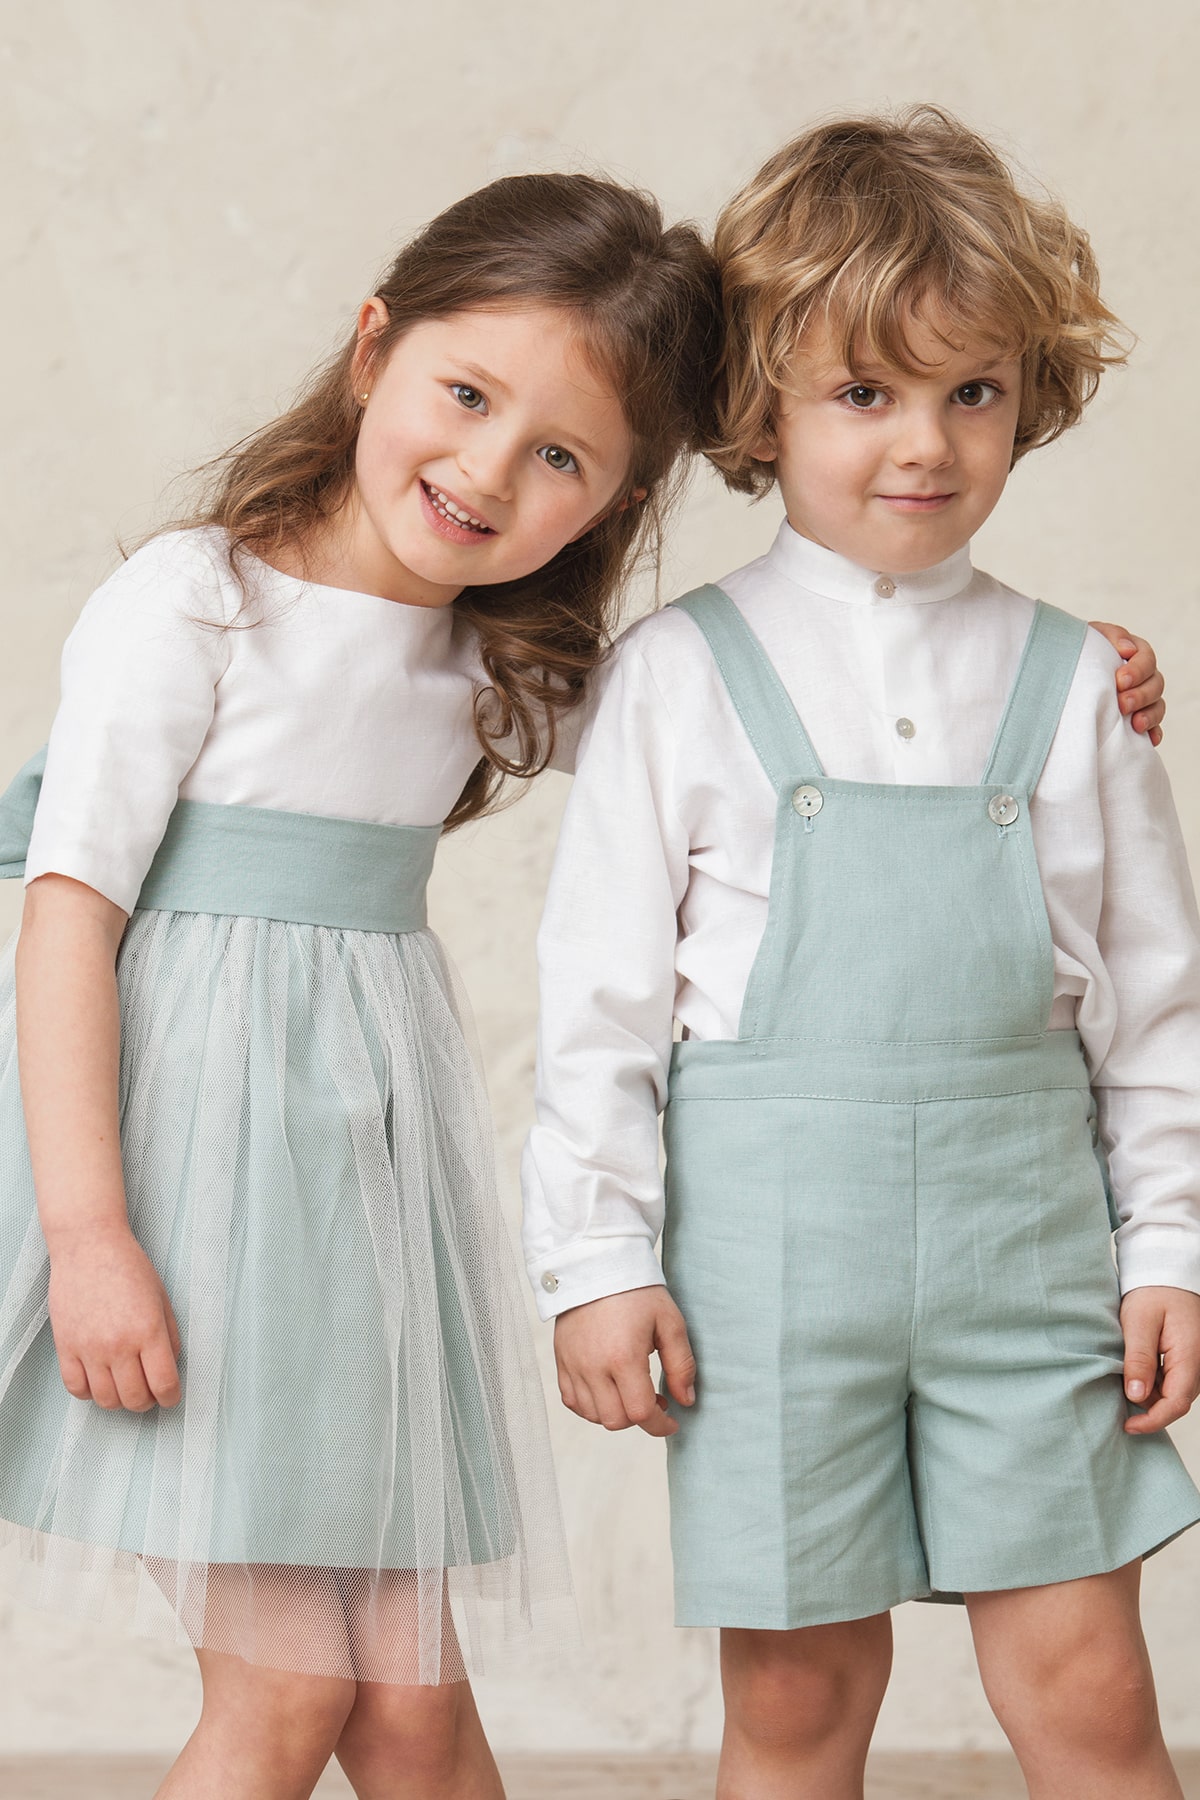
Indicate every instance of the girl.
{"type": "Point", "coordinates": [264, 1374]}
{"type": "Point", "coordinates": [930, 949]}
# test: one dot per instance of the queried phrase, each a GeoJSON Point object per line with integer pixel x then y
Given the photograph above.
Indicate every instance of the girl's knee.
{"type": "Point", "coordinates": [419, 1728]}
{"type": "Point", "coordinates": [290, 1716]}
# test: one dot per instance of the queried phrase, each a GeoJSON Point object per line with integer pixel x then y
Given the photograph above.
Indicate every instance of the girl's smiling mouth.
{"type": "Point", "coordinates": [450, 518]}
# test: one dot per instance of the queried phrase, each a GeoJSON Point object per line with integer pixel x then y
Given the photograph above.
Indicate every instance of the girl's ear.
{"type": "Point", "coordinates": [633, 499]}
{"type": "Point", "coordinates": [372, 317]}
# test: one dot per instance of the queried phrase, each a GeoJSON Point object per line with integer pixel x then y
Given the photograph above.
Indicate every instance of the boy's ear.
{"type": "Point", "coordinates": [764, 448]}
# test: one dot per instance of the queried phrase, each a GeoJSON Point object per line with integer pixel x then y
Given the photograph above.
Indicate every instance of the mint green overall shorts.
{"type": "Point", "coordinates": [887, 1220]}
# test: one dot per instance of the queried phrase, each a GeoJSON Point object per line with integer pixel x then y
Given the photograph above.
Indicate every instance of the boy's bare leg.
{"type": "Point", "coordinates": [1067, 1674]}
{"type": "Point", "coordinates": [800, 1707]}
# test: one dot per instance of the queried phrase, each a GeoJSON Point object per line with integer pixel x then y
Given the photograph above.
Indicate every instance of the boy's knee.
{"type": "Point", "coordinates": [799, 1689]}
{"type": "Point", "coordinates": [1097, 1694]}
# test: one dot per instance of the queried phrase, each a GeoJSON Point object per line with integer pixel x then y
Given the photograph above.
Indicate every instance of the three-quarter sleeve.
{"type": "Point", "coordinates": [606, 957]}
{"type": "Point", "coordinates": [139, 678]}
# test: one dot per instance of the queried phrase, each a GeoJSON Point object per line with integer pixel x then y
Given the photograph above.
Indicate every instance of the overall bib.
{"type": "Point", "coordinates": [887, 1221]}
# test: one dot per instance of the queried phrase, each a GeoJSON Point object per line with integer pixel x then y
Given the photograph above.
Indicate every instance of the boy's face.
{"type": "Point", "coordinates": [895, 471]}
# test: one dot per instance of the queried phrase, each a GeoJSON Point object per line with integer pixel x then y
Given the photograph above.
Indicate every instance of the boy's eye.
{"type": "Point", "coordinates": [976, 393]}
{"type": "Point", "coordinates": [468, 396]}
{"type": "Point", "coordinates": [862, 397]}
{"type": "Point", "coordinates": [558, 458]}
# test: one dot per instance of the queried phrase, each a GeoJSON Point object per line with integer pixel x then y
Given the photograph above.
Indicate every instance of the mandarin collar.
{"type": "Point", "coordinates": [823, 572]}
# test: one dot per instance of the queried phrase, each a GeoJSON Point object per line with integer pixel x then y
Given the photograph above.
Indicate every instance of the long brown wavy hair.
{"type": "Point", "coordinates": [645, 302]}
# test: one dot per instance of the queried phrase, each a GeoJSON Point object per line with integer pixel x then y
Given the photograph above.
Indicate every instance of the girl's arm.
{"type": "Point", "coordinates": [114, 1331]}
{"type": "Point", "coordinates": [1139, 684]}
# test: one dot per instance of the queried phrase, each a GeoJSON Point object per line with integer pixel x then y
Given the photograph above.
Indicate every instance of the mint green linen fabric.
{"type": "Point", "coordinates": [887, 1216]}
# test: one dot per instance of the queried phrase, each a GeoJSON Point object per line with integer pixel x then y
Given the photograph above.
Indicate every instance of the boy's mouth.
{"type": "Point", "coordinates": [452, 511]}
{"type": "Point", "coordinates": [916, 503]}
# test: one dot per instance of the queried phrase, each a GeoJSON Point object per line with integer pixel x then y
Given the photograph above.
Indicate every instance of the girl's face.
{"type": "Point", "coordinates": [487, 443]}
{"type": "Point", "coordinates": [896, 471]}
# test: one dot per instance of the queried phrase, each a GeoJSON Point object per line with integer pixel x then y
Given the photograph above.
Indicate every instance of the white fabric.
{"type": "Point", "coordinates": [658, 896]}
{"type": "Point", "coordinates": [336, 703]}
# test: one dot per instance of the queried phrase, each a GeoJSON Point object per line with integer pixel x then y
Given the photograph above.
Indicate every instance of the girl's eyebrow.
{"type": "Point", "coordinates": [485, 375]}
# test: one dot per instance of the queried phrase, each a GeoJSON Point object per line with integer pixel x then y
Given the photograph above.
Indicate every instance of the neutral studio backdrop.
{"type": "Point", "coordinates": [196, 197]}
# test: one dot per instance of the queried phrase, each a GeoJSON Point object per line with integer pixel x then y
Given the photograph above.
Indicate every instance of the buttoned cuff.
{"type": "Point", "coordinates": [592, 1269]}
{"type": "Point", "coordinates": [1159, 1256]}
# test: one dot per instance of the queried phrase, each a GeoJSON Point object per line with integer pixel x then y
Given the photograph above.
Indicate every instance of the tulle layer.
{"type": "Point", "coordinates": [357, 1481]}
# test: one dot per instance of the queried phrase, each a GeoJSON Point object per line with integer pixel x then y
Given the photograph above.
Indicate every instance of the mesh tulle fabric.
{"type": "Point", "coordinates": [357, 1481]}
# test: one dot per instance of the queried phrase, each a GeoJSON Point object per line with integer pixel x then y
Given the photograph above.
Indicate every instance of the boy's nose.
{"type": "Point", "coordinates": [923, 442]}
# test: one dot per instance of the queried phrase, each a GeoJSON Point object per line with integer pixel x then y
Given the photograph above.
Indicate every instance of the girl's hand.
{"type": "Point", "coordinates": [1162, 1355]}
{"type": "Point", "coordinates": [114, 1330]}
{"type": "Point", "coordinates": [1139, 684]}
{"type": "Point", "coordinates": [603, 1354]}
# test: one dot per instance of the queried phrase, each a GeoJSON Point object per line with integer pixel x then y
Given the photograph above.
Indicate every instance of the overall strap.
{"type": "Point", "coordinates": [759, 697]}
{"type": "Point", "coordinates": [1035, 705]}
{"type": "Point", "coordinates": [18, 804]}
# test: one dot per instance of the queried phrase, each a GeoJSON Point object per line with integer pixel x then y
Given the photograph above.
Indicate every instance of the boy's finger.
{"type": "Point", "coordinates": [1142, 1333]}
{"type": "Point", "coordinates": [660, 1424]}
{"type": "Point", "coordinates": [584, 1404]}
{"type": "Point", "coordinates": [1163, 1412]}
{"type": "Point", "coordinates": [637, 1396]}
{"type": "Point", "coordinates": [610, 1407]}
{"type": "Point", "coordinates": [675, 1353]}
{"type": "Point", "coordinates": [1147, 718]}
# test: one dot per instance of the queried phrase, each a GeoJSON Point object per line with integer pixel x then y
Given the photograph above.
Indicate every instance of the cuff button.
{"type": "Point", "coordinates": [550, 1282]}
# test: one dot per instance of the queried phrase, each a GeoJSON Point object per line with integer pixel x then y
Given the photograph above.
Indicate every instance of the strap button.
{"type": "Point", "coordinates": [1003, 809]}
{"type": "Point", "coordinates": [808, 801]}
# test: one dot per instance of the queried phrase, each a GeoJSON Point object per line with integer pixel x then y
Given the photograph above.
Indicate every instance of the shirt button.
{"type": "Point", "coordinates": [550, 1282]}
{"type": "Point", "coordinates": [808, 801]}
{"type": "Point", "coordinates": [885, 587]}
{"type": "Point", "coordinates": [905, 728]}
{"type": "Point", "coordinates": [1003, 809]}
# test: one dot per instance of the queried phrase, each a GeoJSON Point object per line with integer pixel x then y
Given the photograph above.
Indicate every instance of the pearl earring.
{"type": "Point", "coordinates": [365, 397]}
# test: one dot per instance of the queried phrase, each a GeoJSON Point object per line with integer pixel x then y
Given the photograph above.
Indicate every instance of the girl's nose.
{"type": "Point", "coordinates": [488, 464]}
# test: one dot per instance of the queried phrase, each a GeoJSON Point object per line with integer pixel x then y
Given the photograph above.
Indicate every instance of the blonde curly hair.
{"type": "Point", "coordinates": [860, 225]}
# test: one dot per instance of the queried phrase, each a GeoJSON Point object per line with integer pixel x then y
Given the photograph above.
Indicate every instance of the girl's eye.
{"type": "Point", "coordinates": [975, 394]}
{"type": "Point", "coordinates": [467, 396]}
{"type": "Point", "coordinates": [863, 398]}
{"type": "Point", "coordinates": [558, 458]}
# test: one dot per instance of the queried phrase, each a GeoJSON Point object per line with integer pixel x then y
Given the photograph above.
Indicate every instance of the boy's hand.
{"type": "Point", "coordinates": [1160, 1323]}
{"type": "Point", "coordinates": [114, 1330]}
{"type": "Point", "coordinates": [1139, 684]}
{"type": "Point", "coordinates": [603, 1354]}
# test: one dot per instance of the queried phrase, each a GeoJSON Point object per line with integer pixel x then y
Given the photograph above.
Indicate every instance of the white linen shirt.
{"type": "Point", "coordinates": [308, 699]}
{"type": "Point", "coordinates": [658, 896]}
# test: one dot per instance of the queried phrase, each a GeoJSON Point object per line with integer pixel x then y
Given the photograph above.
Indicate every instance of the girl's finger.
{"type": "Point", "coordinates": [74, 1377]}
{"type": "Point", "coordinates": [172, 1328]}
{"type": "Point", "coordinates": [161, 1374]}
{"type": "Point", "coordinates": [1150, 718]}
{"type": "Point", "coordinates": [132, 1388]}
{"type": "Point", "coordinates": [103, 1387]}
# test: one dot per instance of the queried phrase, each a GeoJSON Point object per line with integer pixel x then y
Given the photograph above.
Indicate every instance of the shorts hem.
{"type": "Point", "coordinates": [706, 1609]}
{"type": "Point", "coordinates": [957, 1583]}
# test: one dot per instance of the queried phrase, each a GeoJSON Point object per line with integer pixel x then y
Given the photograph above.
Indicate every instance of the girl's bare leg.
{"type": "Point", "coordinates": [800, 1707]}
{"type": "Point", "coordinates": [1066, 1671]}
{"type": "Point", "coordinates": [417, 1743]}
{"type": "Point", "coordinates": [413, 1732]}
{"type": "Point", "coordinates": [263, 1734]}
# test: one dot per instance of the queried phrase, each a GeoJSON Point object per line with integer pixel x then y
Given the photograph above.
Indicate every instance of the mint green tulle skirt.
{"type": "Point", "coordinates": [357, 1481]}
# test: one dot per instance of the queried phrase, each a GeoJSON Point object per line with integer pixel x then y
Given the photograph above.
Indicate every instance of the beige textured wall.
{"type": "Point", "coordinates": [196, 196]}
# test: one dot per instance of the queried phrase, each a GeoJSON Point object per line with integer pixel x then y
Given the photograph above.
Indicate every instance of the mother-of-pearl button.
{"type": "Point", "coordinates": [1003, 809]}
{"type": "Point", "coordinates": [808, 801]}
{"type": "Point", "coordinates": [885, 587]}
{"type": "Point", "coordinates": [905, 728]}
{"type": "Point", "coordinates": [550, 1282]}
